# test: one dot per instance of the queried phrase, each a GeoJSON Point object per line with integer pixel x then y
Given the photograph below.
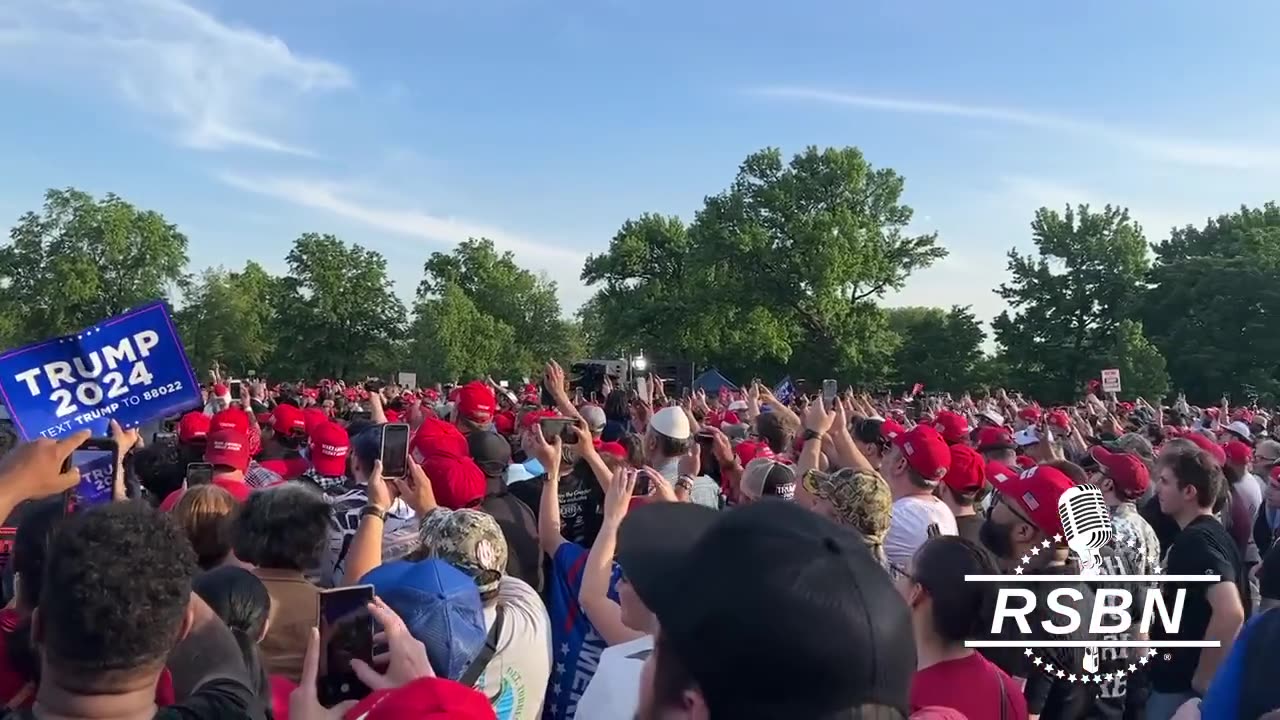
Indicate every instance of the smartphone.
{"type": "Point", "coordinates": [395, 450]}
{"type": "Point", "coordinates": [199, 473]}
{"type": "Point", "coordinates": [561, 427]}
{"type": "Point", "coordinates": [346, 633]}
{"type": "Point", "coordinates": [829, 391]}
{"type": "Point", "coordinates": [164, 437]}
{"type": "Point", "coordinates": [547, 399]}
{"type": "Point", "coordinates": [235, 389]}
{"type": "Point", "coordinates": [96, 460]}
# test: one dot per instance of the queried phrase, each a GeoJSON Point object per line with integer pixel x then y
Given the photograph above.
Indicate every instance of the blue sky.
{"type": "Point", "coordinates": [409, 125]}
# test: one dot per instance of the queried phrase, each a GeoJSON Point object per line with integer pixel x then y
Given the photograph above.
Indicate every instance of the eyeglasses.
{"type": "Point", "coordinates": [998, 499]}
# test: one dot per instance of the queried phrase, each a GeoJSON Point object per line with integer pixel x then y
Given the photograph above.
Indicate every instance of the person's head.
{"type": "Point", "coordinates": [1188, 484]}
{"type": "Point", "coordinates": [965, 478]}
{"type": "Point", "coordinates": [596, 420]}
{"type": "Point", "coordinates": [228, 452]}
{"type": "Point", "coordinates": [474, 408]}
{"type": "Point", "coordinates": [996, 445]}
{"type": "Point", "coordinates": [854, 499]}
{"type": "Point", "coordinates": [634, 445]}
{"type": "Point", "coordinates": [719, 609]}
{"type": "Point", "coordinates": [288, 427]}
{"type": "Point", "coordinates": [767, 478]}
{"type": "Point", "coordinates": [162, 468]}
{"type": "Point", "coordinates": [668, 435]}
{"type": "Point", "coordinates": [1266, 456]}
{"type": "Point", "coordinates": [206, 513]}
{"type": "Point", "coordinates": [491, 453]}
{"type": "Point", "coordinates": [330, 446]}
{"type": "Point", "coordinates": [241, 600]}
{"type": "Point", "coordinates": [366, 448]}
{"type": "Point", "coordinates": [778, 432]}
{"type": "Point", "coordinates": [283, 527]}
{"type": "Point", "coordinates": [1122, 477]}
{"type": "Point", "coordinates": [917, 461]}
{"type": "Point", "coordinates": [39, 522]}
{"type": "Point", "coordinates": [650, 542]}
{"type": "Point", "coordinates": [873, 436]}
{"type": "Point", "coordinates": [1273, 489]}
{"type": "Point", "coordinates": [470, 540]}
{"type": "Point", "coordinates": [1024, 512]}
{"type": "Point", "coordinates": [952, 426]}
{"type": "Point", "coordinates": [193, 428]}
{"type": "Point", "coordinates": [946, 610]}
{"type": "Point", "coordinates": [117, 588]}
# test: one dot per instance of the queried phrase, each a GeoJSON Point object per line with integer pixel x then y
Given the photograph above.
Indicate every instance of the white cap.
{"type": "Point", "coordinates": [1240, 428]}
{"type": "Point", "coordinates": [737, 405]}
{"type": "Point", "coordinates": [672, 422]}
{"type": "Point", "coordinates": [993, 416]}
{"type": "Point", "coordinates": [1026, 437]}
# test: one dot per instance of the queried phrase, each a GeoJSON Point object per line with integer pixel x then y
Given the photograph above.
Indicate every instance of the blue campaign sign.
{"type": "Point", "coordinates": [131, 367]}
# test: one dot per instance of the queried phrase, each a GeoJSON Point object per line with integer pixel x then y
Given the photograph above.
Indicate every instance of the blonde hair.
{"type": "Point", "coordinates": [206, 513]}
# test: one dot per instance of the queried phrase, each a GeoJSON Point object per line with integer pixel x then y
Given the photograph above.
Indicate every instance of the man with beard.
{"type": "Point", "coordinates": [1023, 530]}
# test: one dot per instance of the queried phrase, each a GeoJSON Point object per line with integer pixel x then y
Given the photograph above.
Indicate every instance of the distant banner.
{"type": "Point", "coordinates": [785, 390]}
{"type": "Point", "coordinates": [130, 367]}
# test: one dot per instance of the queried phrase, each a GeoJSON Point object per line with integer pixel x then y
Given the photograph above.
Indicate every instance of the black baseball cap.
{"type": "Point", "coordinates": [655, 537]}
{"type": "Point", "coordinates": [773, 582]}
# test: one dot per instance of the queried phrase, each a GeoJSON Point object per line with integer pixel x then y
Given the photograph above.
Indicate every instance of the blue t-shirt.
{"type": "Point", "coordinates": [575, 644]}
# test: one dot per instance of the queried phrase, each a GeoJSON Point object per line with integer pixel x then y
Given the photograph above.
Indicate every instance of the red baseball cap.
{"type": "Point", "coordinates": [193, 426]}
{"type": "Point", "coordinates": [1237, 452]}
{"type": "Point", "coordinates": [997, 473]}
{"type": "Point", "coordinates": [229, 448]}
{"type": "Point", "coordinates": [1129, 474]}
{"type": "Point", "coordinates": [1030, 414]}
{"type": "Point", "coordinates": [1208, 446]}
{"type": "Point", "coordinates": [220, 390]}
{"type": "Point", "coordinates": [476, 402]}
{"type": "Point", "coordinates": [890, 428]}
{"type": "Point", "coordinates": [1026, 462]}
{"type": "Point", "coordinates": [288, 420]}
{"type": "Point", "coordinates": [995, 438]}
{"type": "Point", "coordinates": [967, 470]}
{"type": "Point", "coordinates": [329, 447]}
{"type": "Point", "coordinates": [504, 423]}
{"type": "Point", "coordinates": [232, 418]}
{"type": "Point", "coordinates": [313, 417]}
{"type": "Point", "coordinates": [925, 450]}
{"type": "Point", "coordinates": [1036, 492]}
{"type": "Point", "coordinates": [1060, 419]}
{"type": "Point", "coordinates": [953, 426]}
{"type": "Point", "coordinates": [427, 698]}
{"type": "Point", "coordinates": [612, 448]}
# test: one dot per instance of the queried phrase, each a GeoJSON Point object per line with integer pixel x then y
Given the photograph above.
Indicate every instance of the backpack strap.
{"type": "Point", "coordinates": [477, 666]}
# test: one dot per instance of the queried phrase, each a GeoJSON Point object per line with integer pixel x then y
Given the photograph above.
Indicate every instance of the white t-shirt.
{"type": "Point", "coordinates": [1249, 489]}
{"type": "Point", "coordinates": [614, 691]}
{"type": "Point", "coordinates": [515, 680]}
{"type": "Point", "coordinates": [916, 518]}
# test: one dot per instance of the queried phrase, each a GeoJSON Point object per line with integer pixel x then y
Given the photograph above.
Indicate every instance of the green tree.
{"type": "Point", "coordinates": [229, 317]}
{"type": "Point", "coordinates": [453, 340]}
{"type": "Point", "coordinates": [497, 287]}
{"type": "Point", "coordinates": [1214, 304]}
{"type": "Point", "coordinates": [939, 348]}
{"type": "Point", "coordinates": [336, 311]}
{"type": "Point", "coordinates": [778, 273]}
{"type": "Point", "coordinates": [1142, 367]}
{"type": "Point", "coordinates": [1067, 301]}
{"type": "Point", "coordinates": [80, 260]}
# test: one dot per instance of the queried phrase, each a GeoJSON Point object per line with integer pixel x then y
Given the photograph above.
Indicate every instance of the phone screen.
{"type": "Point", "coordinates": [553, 427]}
{"type": "Point", "coordinates": [97, 466]}
{"type": "Point", "coordinates": [199, 474]}
{"type": "Point", "coordinates": [395, 450]}
{"type": "Point", "coordinates": [346, 633]}
{"type": "Point", "coordinates": [235, 389]}
{"type": "Point", "coordinates": [829, 390]}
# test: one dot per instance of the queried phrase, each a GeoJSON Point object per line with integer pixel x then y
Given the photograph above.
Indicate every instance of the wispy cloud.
{"type": "Point", "coordinates": [217, 86]}
{"type": "Point", "coordinates": [560, 263]}
{"type": "Point", "coordinates": [1178, 150]}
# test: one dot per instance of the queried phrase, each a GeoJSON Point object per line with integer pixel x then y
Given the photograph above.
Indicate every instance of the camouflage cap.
{"type": "Point", "coordinates": [471, 541]}
{"type": "Point", "coordinates": [861, 500]}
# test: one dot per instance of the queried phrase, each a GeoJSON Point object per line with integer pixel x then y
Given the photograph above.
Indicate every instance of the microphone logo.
{"type": "Point", "coordinates": [1086, 523]}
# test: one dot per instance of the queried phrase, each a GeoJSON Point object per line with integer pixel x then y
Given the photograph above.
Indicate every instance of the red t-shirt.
{"type": "Point", "coordinates": [238, 489]}
{"type": "Point", "coordinates": [970, 685]}
{"type": "Point", "coordinates": [290, 468]}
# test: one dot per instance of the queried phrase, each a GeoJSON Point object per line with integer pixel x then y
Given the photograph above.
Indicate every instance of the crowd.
{"type": "Point", "coordinates": [723, 556]}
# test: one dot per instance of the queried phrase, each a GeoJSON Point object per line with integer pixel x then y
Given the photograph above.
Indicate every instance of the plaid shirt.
{"type": "Point", "coordinates": [259, 477]}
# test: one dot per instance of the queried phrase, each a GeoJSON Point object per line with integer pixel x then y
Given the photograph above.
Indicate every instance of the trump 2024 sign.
{"type": "Point", "coordinates": [130, 368]}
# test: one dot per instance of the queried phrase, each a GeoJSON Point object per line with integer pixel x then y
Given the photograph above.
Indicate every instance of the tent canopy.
{"type": "Point", "coordinates": [711, 381]}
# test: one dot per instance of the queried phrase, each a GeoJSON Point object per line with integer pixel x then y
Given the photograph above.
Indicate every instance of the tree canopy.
{"type": "Point", "coordinates": [782, 272]}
